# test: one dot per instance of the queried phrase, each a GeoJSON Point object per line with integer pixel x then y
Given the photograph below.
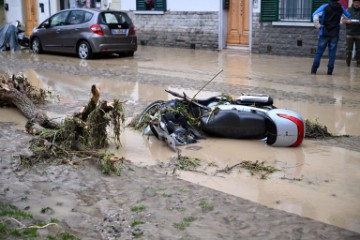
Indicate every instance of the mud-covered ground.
{"type": "Point", "coordinates": [93, 206]}
{"type": "Point", "coordinates": [149, 202]}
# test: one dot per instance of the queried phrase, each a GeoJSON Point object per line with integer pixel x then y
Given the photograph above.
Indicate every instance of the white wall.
{"type": "Point", "coordinates": [193, 5]}
{"type": "Point", "coordinates": [51, 7]}
{"type": "Point", "coordinates": [179, 5]}
{"type": "Point", "coordinates": [256, 6]}
{"type": "Point", "coordinates": [15, 11]}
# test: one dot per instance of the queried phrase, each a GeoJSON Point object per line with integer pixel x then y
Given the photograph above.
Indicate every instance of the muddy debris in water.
{"type": "Point", "coordinates": [20, 83]}
{"type": "Point", "coordinates": [313, 129]}
{"type": "Point", "coordinates": [71, 139]}
{"type": "Point", "coordinates": [255, 168]}
{"type": "Point", "coordinates": [187, 163]}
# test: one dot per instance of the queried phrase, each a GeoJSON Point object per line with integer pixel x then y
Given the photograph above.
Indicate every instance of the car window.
{"type": "Point", "coordinates": [58, 19]}
{"type": "Point", "coordinates": [115, 18]}
{"type": "Point", "coordinates": [88, 16]}
{"type": "Point", "coordinates": [76, 17]}
{"type": "Point", "coordinates": [110, 18]}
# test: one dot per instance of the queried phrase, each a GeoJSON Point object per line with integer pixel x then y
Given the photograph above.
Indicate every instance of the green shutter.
{"type": "Point", "coordinates": [140, 5]}
{"type": "Point", "coordinates": [316, 4]}
{"type": "Point", "coordinates": [269, 10]}
{"type": "Point", "coordinates": [160, 5]}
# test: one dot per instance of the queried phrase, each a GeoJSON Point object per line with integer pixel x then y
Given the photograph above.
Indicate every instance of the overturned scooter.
{"type": "Point", "coordinates": [179, 122]}
{"type": "Point", "coordinates": [12, 36]}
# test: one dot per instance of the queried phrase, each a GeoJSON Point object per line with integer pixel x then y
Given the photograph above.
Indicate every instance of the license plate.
{"type": "Point", "coordinates": [119, 31]}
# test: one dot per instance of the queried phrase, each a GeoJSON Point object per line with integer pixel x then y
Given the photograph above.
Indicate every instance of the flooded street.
{"type": "Point", "coordinates": [318, 180]}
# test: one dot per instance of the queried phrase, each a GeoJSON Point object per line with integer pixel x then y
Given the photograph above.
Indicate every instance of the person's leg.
{"type": "Point", "coordinates": [357, 50]}
{"type": "Point", "coordinates": [322, 43]}
{"type": "Point", "coordinates": [332, 54]}
{"type": "Point", "coordinates": [349, 49]}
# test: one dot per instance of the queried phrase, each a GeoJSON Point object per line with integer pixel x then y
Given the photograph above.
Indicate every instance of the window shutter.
{"type": "Point", "coordinates": [316, 4]}
{"type": "Point", "coordinates": [140, 5]}
{"type": "Point", "coordinates": [160, 5]}
{"type": "Point", "coordinates": [269, 10]}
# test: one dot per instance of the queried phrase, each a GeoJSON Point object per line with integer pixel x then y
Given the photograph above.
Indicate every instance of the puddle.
{"type": "Point", "coordinates": [328, 190]}
{"type": "Point", "coordinates": [319, 182]}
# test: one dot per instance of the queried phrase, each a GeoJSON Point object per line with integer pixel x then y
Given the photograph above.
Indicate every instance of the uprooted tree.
{"type": "Point", "coordinates": [81, 134]}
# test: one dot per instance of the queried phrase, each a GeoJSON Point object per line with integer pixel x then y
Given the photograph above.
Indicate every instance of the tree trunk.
{"type": "Point", "coordinates": [24, 104]}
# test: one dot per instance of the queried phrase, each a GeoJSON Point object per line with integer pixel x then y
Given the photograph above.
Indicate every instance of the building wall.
{"type": "Point", "coordinates": [285, 40]}
{"type": "Point", "coordinates": [178, 29]}
{"type": "Point", "coordinates": [183, 5]}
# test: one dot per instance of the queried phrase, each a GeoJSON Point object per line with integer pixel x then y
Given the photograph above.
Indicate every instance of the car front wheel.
{"type": "Point", "coordinates": [84, 50]}
{"type": "Point", "coordinates": [36, 45]}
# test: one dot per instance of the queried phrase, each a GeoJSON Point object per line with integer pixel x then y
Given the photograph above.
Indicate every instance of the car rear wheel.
{"type": "Point", "coordinates": [36, 45]}
{"type": "Point", "coordinates": [84, 50]}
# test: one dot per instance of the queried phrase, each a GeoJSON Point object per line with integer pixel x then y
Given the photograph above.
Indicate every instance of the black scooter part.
{"type": "Point", "coordinates": [236, 124]}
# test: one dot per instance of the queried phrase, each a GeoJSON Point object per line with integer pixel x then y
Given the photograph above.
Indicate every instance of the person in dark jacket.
{"type": "Point", "coordinates": [353, 32]}
{"type": "Point", "coordinates": [327, 18]}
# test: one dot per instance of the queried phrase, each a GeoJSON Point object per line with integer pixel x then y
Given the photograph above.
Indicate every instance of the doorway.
{"type": "Point", "coordinates": [238, 22]}
{"type": "Point", "coordinates": [30, 16]}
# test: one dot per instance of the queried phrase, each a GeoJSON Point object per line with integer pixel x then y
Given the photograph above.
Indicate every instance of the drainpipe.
{"type": "Point", "coordinates": [220, 16]}
{"type": "Point", "coordinates": [251, 24]}
{"type": "Point", "coordinates": [49, 8]}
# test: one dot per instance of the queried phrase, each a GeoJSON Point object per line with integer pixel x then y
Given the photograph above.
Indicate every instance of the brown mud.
{"type": "Point", "coordinates": [94, 206]}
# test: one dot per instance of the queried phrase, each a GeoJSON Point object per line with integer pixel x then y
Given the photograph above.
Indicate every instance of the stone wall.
{"type": "Point", "coordinates": [197, 30]}
{"type": "Point", "coordinates": [289, 40]}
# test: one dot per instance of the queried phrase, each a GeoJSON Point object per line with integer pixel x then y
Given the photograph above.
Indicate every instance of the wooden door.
{"type": "Point", "coordinates": [238, 22]}
{"type": "Point", "coordinates": [30, 16]}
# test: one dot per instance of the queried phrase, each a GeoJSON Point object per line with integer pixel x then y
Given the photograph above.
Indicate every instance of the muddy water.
{"type": "Point", "coordinates": [330, 176]}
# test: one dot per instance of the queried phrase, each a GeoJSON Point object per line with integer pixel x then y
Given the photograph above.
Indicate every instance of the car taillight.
{"type": "Point", "coordinates": [132, 31]}
{"type": "Point", "coordinates": [96, 28]}
{"type": "Point", "coordinates": [300, 127]}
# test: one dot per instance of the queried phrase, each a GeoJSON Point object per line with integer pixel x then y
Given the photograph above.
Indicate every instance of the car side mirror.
{"type": "Point", "coordinates": [46, 24]}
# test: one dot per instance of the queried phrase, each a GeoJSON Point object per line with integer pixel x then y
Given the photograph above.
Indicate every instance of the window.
{"type": "Point", "coordinates": [59, 19]}
{"type": "Point", "coordinates": [88, 16]}
{"type": "Point", "coordinates": [151, 5]}
{"type": "Point", "coordinates": [76, 17]}
{"type": "Point", "coordinates": [114, 18]}
{"type": "Point", "coordinates": [295, 10]}
{"type": "Point", "coordinates": [289, 10]}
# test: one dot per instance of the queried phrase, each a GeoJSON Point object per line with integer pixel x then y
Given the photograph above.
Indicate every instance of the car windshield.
{"type": "Point", "coordinates": [117, 18]}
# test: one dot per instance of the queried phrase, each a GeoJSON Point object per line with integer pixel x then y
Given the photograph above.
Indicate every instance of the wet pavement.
{"type": "Point", "coordinates": [328, 170]}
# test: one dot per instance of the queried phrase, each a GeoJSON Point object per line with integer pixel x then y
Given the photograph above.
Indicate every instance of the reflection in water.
{"type": "Point", "coordinates": [315, 181]}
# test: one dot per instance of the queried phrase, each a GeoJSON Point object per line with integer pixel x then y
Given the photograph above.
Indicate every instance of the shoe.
{"type": "Point", "coordinates": [348, 61]}
{"type": "Point", "coordinates": [313, 69]}
{"type": "Point", "coordinates": [330, 71]}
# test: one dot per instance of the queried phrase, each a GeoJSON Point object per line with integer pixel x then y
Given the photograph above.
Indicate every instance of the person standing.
{"type": "Point", "coordinates": [353, 32]}
{"type": "Point", "coordinates": [327, 18]}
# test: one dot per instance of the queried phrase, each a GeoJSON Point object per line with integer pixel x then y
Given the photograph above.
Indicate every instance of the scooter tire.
{"type": "Point", "coordinates": [151, 106]}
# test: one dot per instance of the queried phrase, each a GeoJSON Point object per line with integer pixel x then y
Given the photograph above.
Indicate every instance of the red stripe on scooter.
{"type": "Point", "coordinates": [300, 126]}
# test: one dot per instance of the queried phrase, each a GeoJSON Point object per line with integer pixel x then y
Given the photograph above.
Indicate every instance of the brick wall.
{"type": "Point", "coordinates": [178, 29]}
{"type": "Point", "coordinates": [284, 40]}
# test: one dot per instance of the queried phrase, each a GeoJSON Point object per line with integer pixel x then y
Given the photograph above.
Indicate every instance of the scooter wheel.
{"type": "Point", "coordinates": [149, 110]}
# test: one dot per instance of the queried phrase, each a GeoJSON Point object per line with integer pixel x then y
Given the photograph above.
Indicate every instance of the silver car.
{"type": "Point", "coordinates": [85, 32]}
